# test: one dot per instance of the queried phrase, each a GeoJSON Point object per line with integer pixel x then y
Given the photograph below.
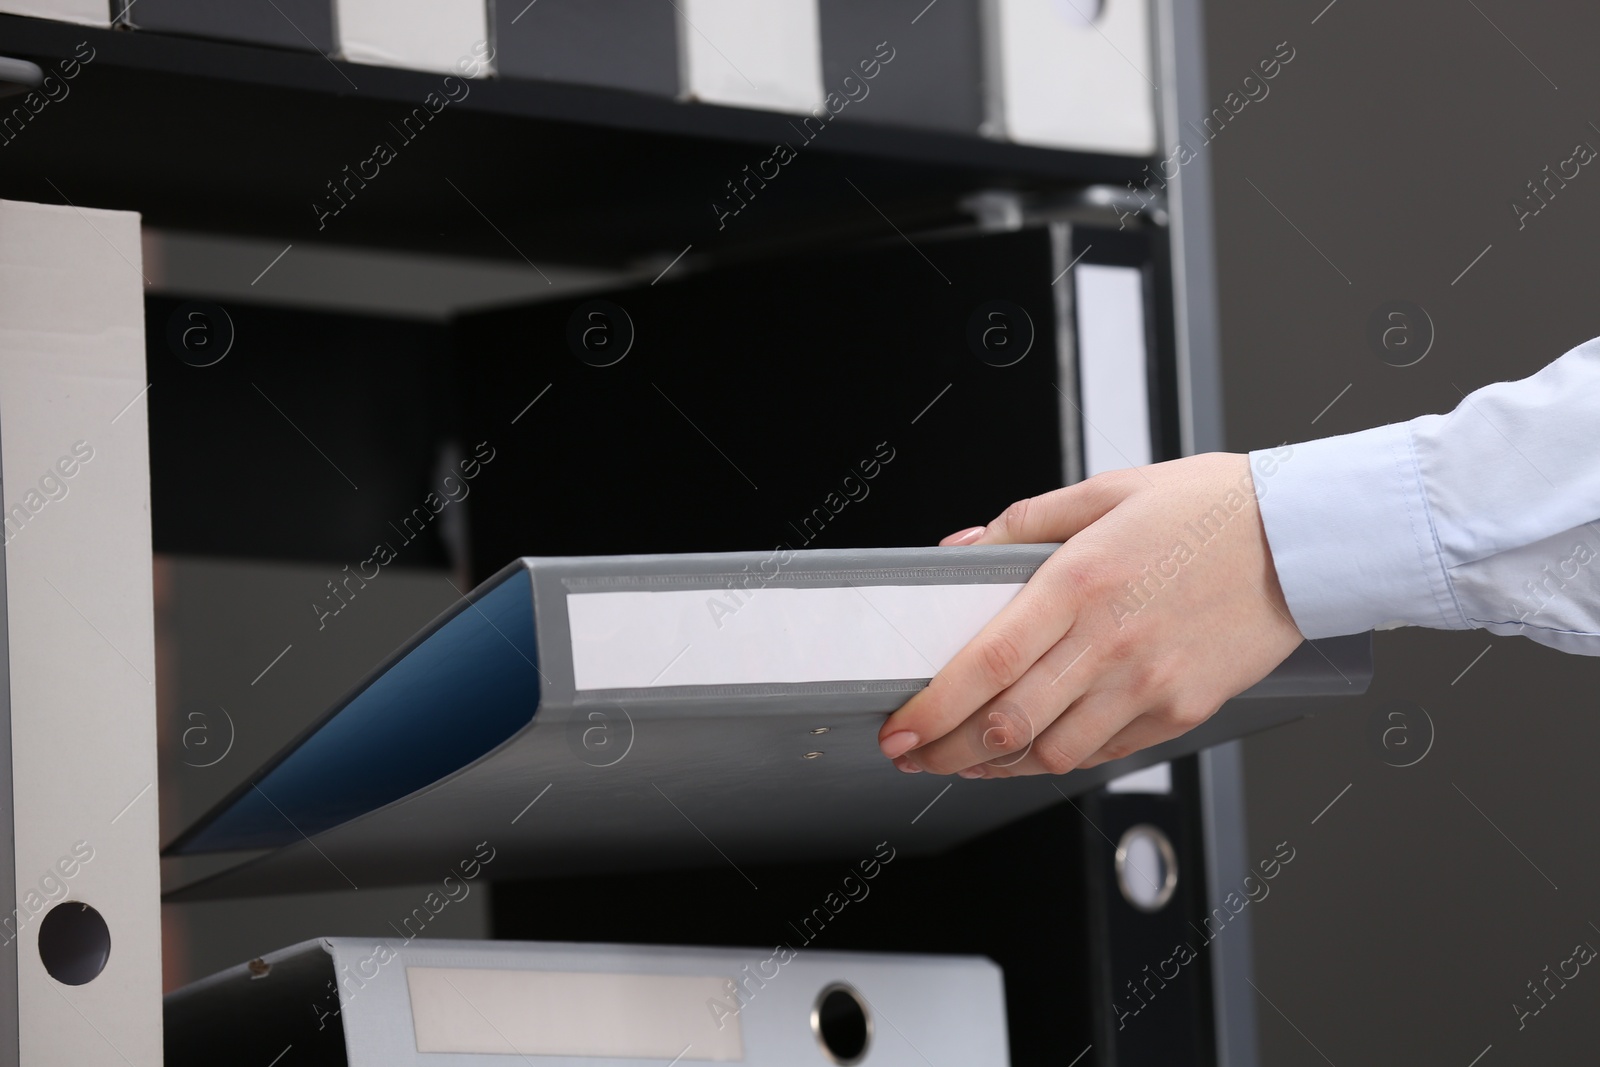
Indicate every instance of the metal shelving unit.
{"type": "Point", "coordinates": [206, 136]}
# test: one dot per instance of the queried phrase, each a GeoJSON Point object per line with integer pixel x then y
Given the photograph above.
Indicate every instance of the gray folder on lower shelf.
{"type": "Point", "coordinates": [382, 1003]}
{"type": "Point", "coordinates": [607, 714]}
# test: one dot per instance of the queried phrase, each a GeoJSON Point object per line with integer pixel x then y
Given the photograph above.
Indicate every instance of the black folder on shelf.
{"type": "Point", "coordinates": [298, 24]}
{"type": "Point", "coordinates": [605, 714]}
{"type": "Point", "coordinates": [936, 78]}
{"type": "Point", "coordinates": [621, 44]}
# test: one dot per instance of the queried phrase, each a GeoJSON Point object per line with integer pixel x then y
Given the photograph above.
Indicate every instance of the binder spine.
{"type": "Point", "coordinates": [82, 931]}
{"type": "Point", "coordinates": [729, 582]}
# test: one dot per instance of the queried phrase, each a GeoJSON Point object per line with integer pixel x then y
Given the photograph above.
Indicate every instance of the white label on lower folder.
{"type": "Point", "coordinates": [635, 640]}
{"type": "Point", "coordinates": [555, 1013]}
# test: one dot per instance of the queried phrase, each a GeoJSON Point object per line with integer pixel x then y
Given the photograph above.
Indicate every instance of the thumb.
{"type": "Point", "coordinates": [1056, 515]}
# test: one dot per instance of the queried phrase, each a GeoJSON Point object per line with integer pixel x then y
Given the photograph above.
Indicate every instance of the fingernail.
{"type": "Point", "coordinates": [964, 537]}
{"type": "Point", "coordinates": [898, 743]}
{"type": "Point", "coordinates": [971, 772]}
{"type": "Point", "coordinates": [907, 766]}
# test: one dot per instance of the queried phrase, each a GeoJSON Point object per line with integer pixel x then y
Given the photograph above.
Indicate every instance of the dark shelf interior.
{"type": "Point", "coordinates": [211, 136]}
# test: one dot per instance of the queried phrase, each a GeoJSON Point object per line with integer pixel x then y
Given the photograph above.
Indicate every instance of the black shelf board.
{"type": "Point", "coordinates": [212, 136]}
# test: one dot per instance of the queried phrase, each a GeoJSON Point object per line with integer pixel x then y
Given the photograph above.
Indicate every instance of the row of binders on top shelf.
{"type": "Point", "coordinates": [1074, 74]}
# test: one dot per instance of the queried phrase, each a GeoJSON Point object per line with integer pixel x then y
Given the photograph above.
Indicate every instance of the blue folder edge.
{"type": "Point", "coordinates": [464, 686]}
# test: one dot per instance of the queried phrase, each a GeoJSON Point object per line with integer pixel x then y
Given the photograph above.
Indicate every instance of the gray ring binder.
{"type": "Point", "coordinates": [738, 765]}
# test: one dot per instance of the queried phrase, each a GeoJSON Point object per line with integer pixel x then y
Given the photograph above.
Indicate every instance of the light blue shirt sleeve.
{"type": "Point", "coordinates": [1485, 518]}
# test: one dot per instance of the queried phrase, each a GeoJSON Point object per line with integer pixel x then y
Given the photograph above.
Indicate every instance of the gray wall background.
{"type": "Point", "coordinates": [1392, 147]}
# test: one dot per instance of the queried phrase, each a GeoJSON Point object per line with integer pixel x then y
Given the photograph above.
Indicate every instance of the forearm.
{"type": "Point", "coordinates": [1484, 517]}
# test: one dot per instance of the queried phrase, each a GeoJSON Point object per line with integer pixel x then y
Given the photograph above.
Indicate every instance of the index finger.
{"type": "Point", "coordinates": [999, 655]}
{"type": "Point", "coordinates": [1015, 639]}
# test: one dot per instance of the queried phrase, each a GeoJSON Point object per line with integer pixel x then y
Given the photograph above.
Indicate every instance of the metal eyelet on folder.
{"type": "Point", "coordinates": [842, 1023]}
{"type": "Point", "coordinates": [1147, 867]}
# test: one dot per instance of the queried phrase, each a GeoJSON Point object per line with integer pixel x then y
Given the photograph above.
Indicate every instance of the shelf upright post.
{"type": "Point", "coordinates": [1181, 66]}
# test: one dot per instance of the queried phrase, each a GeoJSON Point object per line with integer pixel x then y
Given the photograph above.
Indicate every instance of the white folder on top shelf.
{"type": "Point", "coordinates": [766, 55]}
{"type": "Point", "coordinates": [88, 12]}
{"type": "Point", "coordinates": [438, 35]}
{"type": "Point", "coordinates": [1074, 73]}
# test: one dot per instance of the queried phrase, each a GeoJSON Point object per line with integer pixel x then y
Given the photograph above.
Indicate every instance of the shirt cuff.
{"type": "Point", "coordinates": [1351, 536]}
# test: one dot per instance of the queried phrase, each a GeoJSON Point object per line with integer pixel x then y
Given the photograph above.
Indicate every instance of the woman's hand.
{"type": "Point", "coordinates": [1162, 604]}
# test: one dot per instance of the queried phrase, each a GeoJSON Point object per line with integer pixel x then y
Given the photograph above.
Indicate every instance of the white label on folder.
{"type": "Point", "coordinates": [764, 55]}
{"type": "Point", "coordinates": [1111, 367]}
{"type": "Point", "coordinates": [88, 12]}
{"type": "Point", "coordinates": [1074, 77]}
{"type": "Point", "coordinates": [449, 36]}
{"type": "Point", "coordinates": [644, 639]}
{"type": "Point", "coordinates": [467, 1010]}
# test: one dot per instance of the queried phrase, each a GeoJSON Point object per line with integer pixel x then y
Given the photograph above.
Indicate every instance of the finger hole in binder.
{"type": "Point", "coordinates": [842, 1025]}
{"type": "Point", "coordinates": [74, 943]}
